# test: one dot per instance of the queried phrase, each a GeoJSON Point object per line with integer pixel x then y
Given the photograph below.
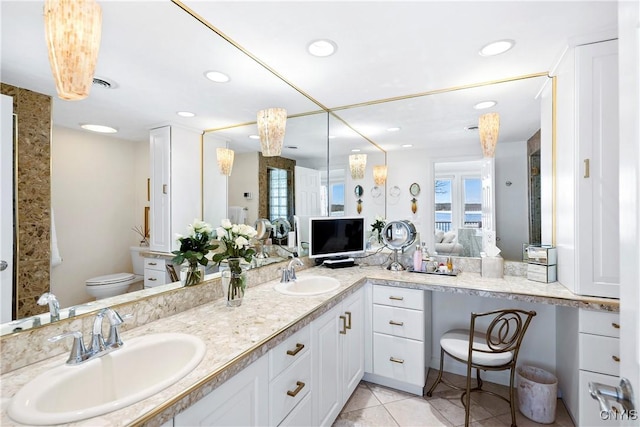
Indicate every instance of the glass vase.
{"type": "Point", "coordinates": [191, 274]}
{"type": "Point", "coordinates": [234, 282]}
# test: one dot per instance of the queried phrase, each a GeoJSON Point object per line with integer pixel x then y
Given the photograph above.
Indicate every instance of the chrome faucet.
{"type": "Point", "coordinates": [99, 346]}
{"type": "Point", "coordinates": [54, 305]}
{"type": "Point", "coordinates": [289, 273]}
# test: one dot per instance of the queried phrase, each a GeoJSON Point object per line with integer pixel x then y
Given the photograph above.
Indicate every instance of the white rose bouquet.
{"type": "Point", "coordinates": [194, 248]}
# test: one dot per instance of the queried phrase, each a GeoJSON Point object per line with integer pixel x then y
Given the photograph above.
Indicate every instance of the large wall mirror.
{"type": "Point", "coordinates": [99, 183]}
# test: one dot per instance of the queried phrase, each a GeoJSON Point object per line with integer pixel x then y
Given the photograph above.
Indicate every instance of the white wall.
{"type": "Point", "coordinates": [512, 201]}
{"type": "Point", "coordinates": [98, 193]}
{"type": "Point", "coordinates": [371, 206]}
{"type": "Point", "coordinates": [243, 179]}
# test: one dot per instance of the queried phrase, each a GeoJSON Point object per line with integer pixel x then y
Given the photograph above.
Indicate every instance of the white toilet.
{"type": "Point", "coordinates": [111, 285]}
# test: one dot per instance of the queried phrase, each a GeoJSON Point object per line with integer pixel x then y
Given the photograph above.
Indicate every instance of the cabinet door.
{"type": "Point", "coordinates": [598, 203]}
{"type": "Point", "coordinates": [240, 401]}
{"type": "Point", "coordinates": [327, 367]}
{"type": "Point", "coordinates": [160, 180]}
{"type": "Point", "coordinates": [353, 343]}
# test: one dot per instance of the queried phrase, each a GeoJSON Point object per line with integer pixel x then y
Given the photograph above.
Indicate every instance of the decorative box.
{"type": "Point", "coordinates": [542, 273]}
{"type": "Point", "coordinates": [543, 255]}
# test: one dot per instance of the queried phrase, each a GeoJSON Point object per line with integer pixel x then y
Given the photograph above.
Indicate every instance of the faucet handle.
{"type": "Point", "coordinates": [78, 350]}
{"type": "Point", "coordinates": [113, 340]}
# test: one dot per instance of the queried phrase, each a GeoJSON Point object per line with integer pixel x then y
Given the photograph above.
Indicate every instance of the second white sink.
{"type": "Point", "coordinates": [141, 368]}
{"type": "Point", "coordinates": [308, 285]}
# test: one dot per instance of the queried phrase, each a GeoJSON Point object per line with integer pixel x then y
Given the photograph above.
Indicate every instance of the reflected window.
{"type": "Point", "coordinates": [278, 193]}
{"type": "Point", "coordinates": [444, 199]}
{"type": "Point", "coordinates": [472, 202]}
{"type": "Point", "coordinates": [337, 199]}
{"type": "Point", "coordinates": [458, 202]}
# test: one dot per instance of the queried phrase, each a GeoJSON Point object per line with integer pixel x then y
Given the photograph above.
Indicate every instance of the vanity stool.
{"type": "Point", "coordinates": [493, 348]}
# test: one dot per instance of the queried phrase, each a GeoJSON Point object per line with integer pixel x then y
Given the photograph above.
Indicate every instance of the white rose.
{"type": "Point", "coordinates": [221, 232]}
{"type": "Point", "coordinates": [207, 228]}
{"type": "Point", "coordinates": [226, 223]}
{"type": "Point", "coordinates": [190, 230]}
{"type": "Point", "coordinates": [234, 229]}
{"type": "Point", "coordinates": [178, 237]}
{"type": "Point", "coordinates": [241, 242]}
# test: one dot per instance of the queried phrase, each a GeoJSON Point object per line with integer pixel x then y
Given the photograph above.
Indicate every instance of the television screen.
{"type": "Point", "coordinates": [336, 236]}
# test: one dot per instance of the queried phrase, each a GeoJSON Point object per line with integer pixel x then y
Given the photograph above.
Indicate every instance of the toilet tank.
{"type": "Point", "coordinates": [137, 260]}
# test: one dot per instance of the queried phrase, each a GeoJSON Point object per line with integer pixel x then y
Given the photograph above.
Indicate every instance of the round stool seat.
{"type": "Point", "coordinates": [456, 343]}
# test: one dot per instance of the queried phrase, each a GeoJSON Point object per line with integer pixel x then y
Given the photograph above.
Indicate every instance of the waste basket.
{"type": "Point", "coordinates": [537, 394]}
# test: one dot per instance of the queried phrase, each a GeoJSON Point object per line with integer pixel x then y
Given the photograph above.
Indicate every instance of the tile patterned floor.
{"type": "Point", "coordinates": [374, 405]}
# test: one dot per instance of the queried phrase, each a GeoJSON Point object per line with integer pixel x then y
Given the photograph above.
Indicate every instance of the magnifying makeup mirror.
{"type": "Point", "coordinates": [263, 227]}
{"type": "Point", "coordinates": [398, 235]}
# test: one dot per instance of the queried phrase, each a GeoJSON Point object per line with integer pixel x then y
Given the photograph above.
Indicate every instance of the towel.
{"type": "Point", "coordinates": [56, 259]}
{"type": "Point", "coordinates": [237, 215]}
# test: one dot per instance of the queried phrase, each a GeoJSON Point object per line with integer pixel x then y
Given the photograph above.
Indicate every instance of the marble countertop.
{"type": "Point", "coordinates": [235, 337]}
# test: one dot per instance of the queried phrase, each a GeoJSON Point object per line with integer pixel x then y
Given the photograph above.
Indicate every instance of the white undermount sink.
{"type": "Point", "coordinates": [308, 285]}
{"type": "Point", "coordinates": [142, 367]}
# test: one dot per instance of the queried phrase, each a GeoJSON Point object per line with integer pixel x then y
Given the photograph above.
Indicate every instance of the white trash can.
{"type": "Point", "coordinates": [537, 394]}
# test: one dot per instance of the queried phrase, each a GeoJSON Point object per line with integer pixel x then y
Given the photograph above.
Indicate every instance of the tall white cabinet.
{"type": "Point", "coordinates": [587, 170]}
{"type": "Point", "coordinates": [175, 184]}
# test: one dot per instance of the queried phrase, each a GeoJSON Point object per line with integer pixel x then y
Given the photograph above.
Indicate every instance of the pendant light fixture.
{"type": "Point", "coordinates": [271, 126]}
{"type": "Point", "coordinates": [225, 160]}
{"type": "Point", "coordinates": [380, 174]}
{"type": "Point", "coordinates": [357, 165]}
{"type": "Point", "coordinates": [72, 30]}
{"type": "Point", "coordinates": [488, 127]}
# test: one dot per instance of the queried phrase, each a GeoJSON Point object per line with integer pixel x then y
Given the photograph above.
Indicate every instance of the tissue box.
{"type": "Point", "coordinates": [543, 255]}
{"type": "Point", "coordinates": [542, 273]}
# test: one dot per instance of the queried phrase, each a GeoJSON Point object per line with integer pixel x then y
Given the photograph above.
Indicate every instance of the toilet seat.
{"type": "Point", "coordinates": [110, 279]}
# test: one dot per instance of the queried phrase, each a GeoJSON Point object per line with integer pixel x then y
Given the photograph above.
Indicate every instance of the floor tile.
{"type": "Point", "coordinates": [416, 412]}
{"type": "Point", "coordinates": [453, 410]}
{"type": "Point", "coordinates": [361, 398]}
{"type": "Point", "coordinates": [368, 417]}
{"type": "Point", "coordinates": [386, 395]}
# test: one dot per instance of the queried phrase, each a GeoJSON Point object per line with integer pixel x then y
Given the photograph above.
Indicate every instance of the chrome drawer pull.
{"type": "Point", "coordinates": [152, 279]}
{"type": "Point", "coordinates": [348, 314]}
{"type": "Point", "coordinates": [393, 322]}
{"type": "Point", "coordinates": [615, 358]}
{"type": "Point", "coordinates": [296, 351]}
{"type": "Point", "coordinates": [396, 298]}
{"type": "Point", "coordinates": [344, 325]}
{"type": "Point", "coordinates": [394, 360]}
{"type": "Point", "coordinates": [300, 386]}
{"type": "Point", "coordinates": [615, 325]}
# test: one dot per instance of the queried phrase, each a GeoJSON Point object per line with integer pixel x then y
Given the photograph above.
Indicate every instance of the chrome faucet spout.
{"type": "Point", "coordinates": [289, 273]}
{"type": "Point", "coordinates": [54, 305]}
{"type": "Point", "coordinates": [98, 343]}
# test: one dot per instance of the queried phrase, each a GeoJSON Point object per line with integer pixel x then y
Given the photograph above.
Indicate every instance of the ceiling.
{"type": "Point", "coordinates": [156, 54]}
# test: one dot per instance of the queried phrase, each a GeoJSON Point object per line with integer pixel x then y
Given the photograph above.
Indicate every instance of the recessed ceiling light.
{"type": "Point", "coordinates": [484, 104]}
{"type": "Point", "coordinates": [217, 76]}
{"type": "Point", "coordinates": [497, 47]}
{"type": "Point", "coordinates": [407, 145]}
{"type": "Point", "coordinates": [99, 128]}
{"type": "Point", "coordinates": [254, 136]}
{"type": "Point", "coordinates": [393, 129]}
{"type": "Point", "coordinates": [322, 48]}
{"type": "Point", "coordinates": [185, 114]}
{"type": "Point", "coordinates": [355, 150]}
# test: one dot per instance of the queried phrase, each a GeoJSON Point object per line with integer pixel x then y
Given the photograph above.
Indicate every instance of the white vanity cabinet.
{"type": "Point", "coordinates": [175, 184]}
{"type": "Point", "coordinates": [401, 338]}
{"type": "Point", "coordinates": [587, 204]}
{"type": "Point", "coordinates": [241, 401]}
{"type": "Point", "coordinates": [338, 357]}
{"type": "Point", "coordinates": [155, 272]}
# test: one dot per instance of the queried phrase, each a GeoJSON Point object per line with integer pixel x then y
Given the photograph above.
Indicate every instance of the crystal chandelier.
{"type": "Point", "coordinates": [271, 127]}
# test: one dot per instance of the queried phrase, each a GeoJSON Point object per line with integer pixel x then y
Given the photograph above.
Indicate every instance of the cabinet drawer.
{"type": "Point", "coordinates": [589, 409]}
{"type": "Point", "coordinates": [290, 350]}
{"type": "Point", "coordinates": [399, 322]}
{"type": "Point", "coordinates": [599, 323]}
{"type": "Point", "coordinates": [296, 381]}
{"type": "Point", "coordinates": [154, 277]}
{"type": "Point", "coordinates": [301, 414]}
{"type": "Point", "coordinates": [155, 264]}
{"type": "Point", "coordinates": [399, 358]}
{"type": "Point", "coordinates": [599, 354]}
{"type": "Point", "coordinates": [398, 297]}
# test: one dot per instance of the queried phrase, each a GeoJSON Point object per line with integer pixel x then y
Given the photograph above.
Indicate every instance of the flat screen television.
{"type": "Point", "coordinates": [336, 237]}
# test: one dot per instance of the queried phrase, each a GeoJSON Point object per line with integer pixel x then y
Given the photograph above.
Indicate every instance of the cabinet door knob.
{"type": "Point", "coordinates": [615, 358]}
{"type": "Point", "coordinates": [299, 347]}
{"type": "Point", "coordinates": [393, 322]}
{"type": "Point", "coordinates": [344, 325]}
{"type": "Point", "coordinates": [348, 324]}
{"type": "Point", "coordinates": [299, 386]}
{"type": "Point", "coordinates": [396, 298]}
{"type": "Point", "coordinates": [396, 360]}
{"type": "Point", "coordinates": [615, 325]}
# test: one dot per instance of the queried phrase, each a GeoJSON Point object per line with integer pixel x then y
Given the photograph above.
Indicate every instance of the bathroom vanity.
{"type": "Point", "coordinates": [248, 342]}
